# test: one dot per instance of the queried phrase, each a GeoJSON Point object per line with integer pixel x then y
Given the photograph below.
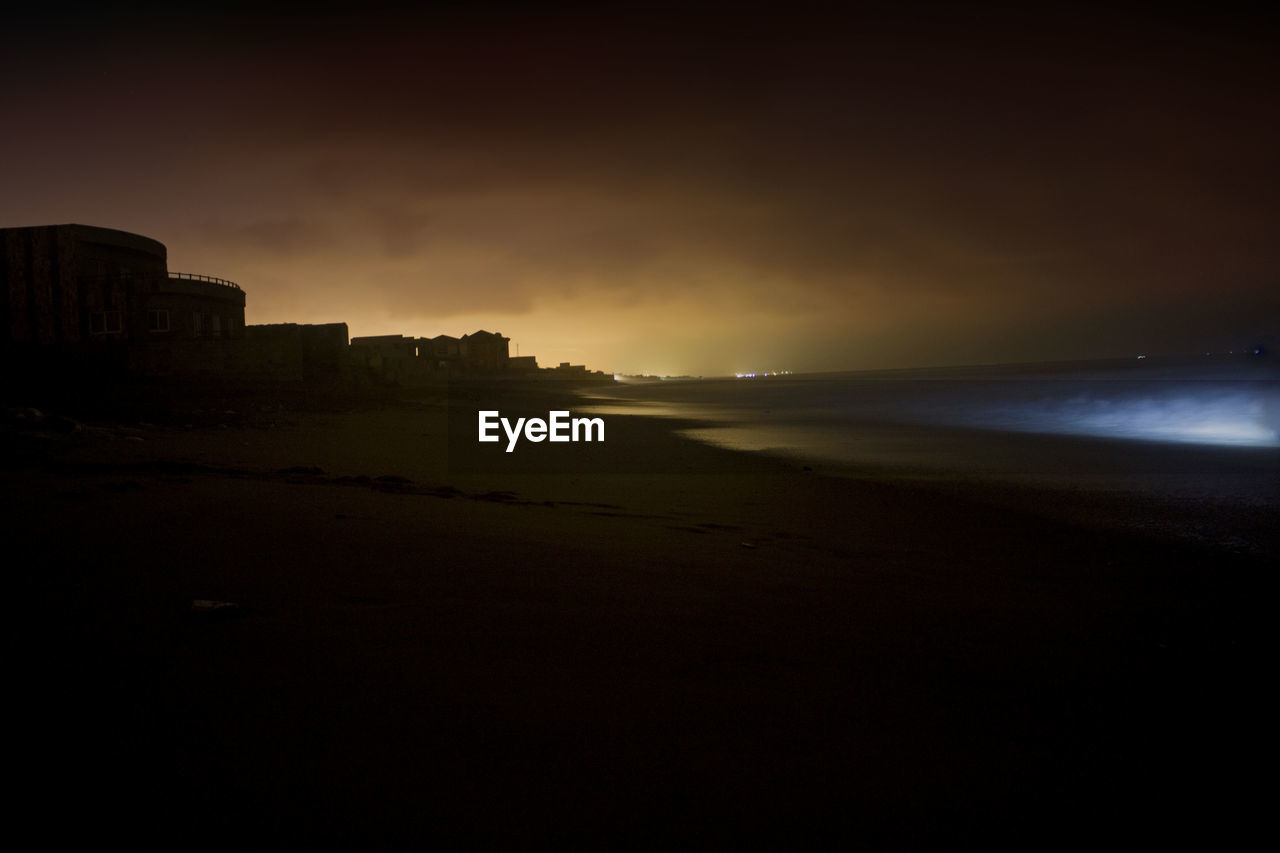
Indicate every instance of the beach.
{"type": "Point", "coordinates": [325, 622]}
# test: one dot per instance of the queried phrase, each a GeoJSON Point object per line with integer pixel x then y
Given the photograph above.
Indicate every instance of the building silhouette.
{"type": "Point", "coordinates": [79, 285]}
{"type": "Point", "coordinates": [89, 302]}
{"type": "Point", "coordinates": [79, 301]}
{"type": "Point", "coordinates": [397, 358]}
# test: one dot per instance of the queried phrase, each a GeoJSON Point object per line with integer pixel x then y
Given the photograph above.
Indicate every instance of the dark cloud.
{"type": "Point", "coordinates": [291, 236]}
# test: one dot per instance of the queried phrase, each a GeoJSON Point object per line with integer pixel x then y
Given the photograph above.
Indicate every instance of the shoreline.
{"type": "Point", "coordinates": [704, 648]}
{"type": "Point", "coordinates": [1117, 484]}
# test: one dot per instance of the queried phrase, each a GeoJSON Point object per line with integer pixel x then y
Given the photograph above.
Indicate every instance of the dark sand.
{"type": "Point", "coordinates": [693, 648]}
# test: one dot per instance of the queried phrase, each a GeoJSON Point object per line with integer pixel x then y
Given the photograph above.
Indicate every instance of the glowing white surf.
{"type": "Point", "coordinates": [1209, 416]}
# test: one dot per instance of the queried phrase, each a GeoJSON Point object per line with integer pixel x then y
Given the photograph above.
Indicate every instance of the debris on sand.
{"type": "Point", "coordinates": [207, 607]}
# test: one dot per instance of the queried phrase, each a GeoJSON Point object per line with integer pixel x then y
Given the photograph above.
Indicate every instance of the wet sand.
{"type": "Point", "coordinates": [662, 644]}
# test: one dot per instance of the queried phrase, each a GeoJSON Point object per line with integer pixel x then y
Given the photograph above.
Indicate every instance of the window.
{"type": "Point", "coordinates": [196, 328]}
{"type": "Point", "coordinates": [105, 323]}
{"type": "Point", "coordinates": [158, 320]}
{"type": "Point", "coordinates": [216, 325]}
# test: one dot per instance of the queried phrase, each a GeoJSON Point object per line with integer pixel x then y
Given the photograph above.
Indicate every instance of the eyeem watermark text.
{"type": "Point", "coordinates": [557, 427]}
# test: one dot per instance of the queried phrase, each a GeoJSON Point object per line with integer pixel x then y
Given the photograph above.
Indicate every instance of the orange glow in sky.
{"type": "Point", "coordinates": [643, 192]}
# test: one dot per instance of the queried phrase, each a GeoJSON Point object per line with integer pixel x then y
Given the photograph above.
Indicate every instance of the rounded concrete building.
{"type": "Point", "coordinates": [81, 286]}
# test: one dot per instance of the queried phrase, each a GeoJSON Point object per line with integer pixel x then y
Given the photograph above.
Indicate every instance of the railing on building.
{"type": "Point", "coordinates": [209, 278]}
{"type": "Point", "coordinates": [188, 276]}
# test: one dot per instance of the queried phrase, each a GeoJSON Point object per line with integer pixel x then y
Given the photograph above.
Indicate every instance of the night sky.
{"type": "Point", "coordinates": [663, 190]}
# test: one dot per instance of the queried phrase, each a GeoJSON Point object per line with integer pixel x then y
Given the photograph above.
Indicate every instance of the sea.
{"type": "Point", "coordinates": [1184, 446]}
